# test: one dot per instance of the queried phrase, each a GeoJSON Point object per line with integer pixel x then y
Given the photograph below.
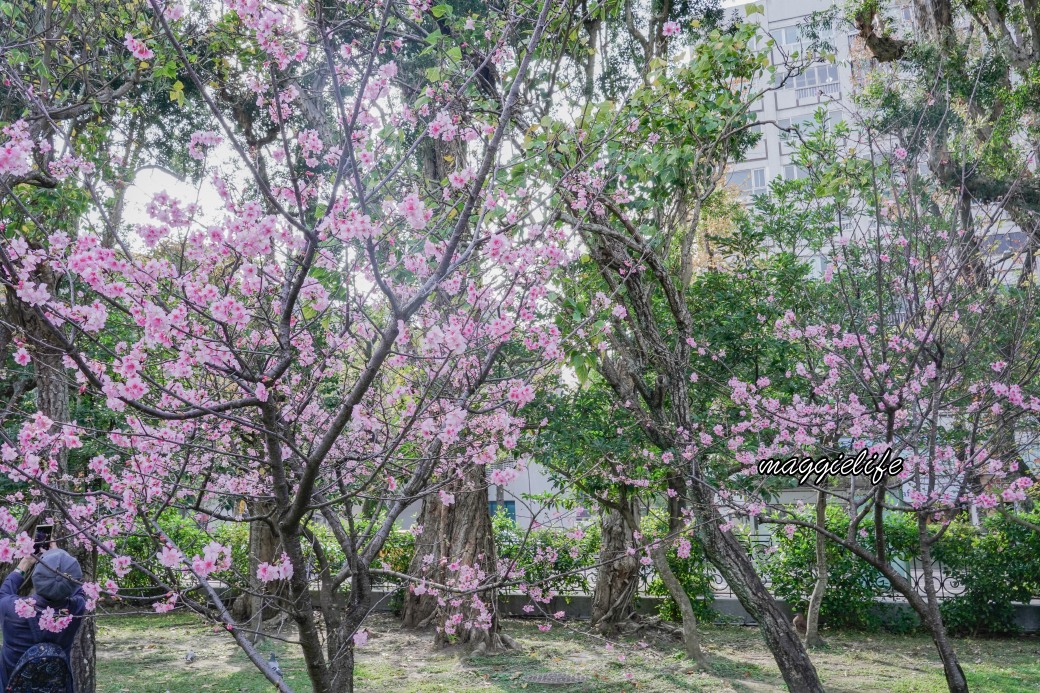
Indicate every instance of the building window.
{"type": "Point", "coordinates": [816, 76]}
{"type": "Point", "coordinates": [790, 37]}
{"type": "Point", "coordinates": [508, 507]}
{"type": "Point", "coordinates": [791, 128]}
{"type": "Point", "coordinates": [805, 123]}
{"type": "Point", "coordinates": [794, 172]}
{"type": "Point", "coordinates": [751, 181]}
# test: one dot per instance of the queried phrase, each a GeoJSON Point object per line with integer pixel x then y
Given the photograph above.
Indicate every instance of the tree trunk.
{"type": "Point", "coordinates": [418, 611]}
{"type": "Point", "coordinates": [955, 678]}
{"type": "Point", "coordinates": [320, 671]}
{"type": "Point", "coordinates": [691, 636]}
{"type": "Point", "coordinates": [52, 400]}
{"type": "Point", "coordinates": [618, 576]}
{"type": "Point", "coordinates": [341, 647]}
{"type": "Point", "coordinates": [812, 623]}
{"type": "Point", "coordinates": [927, 609]}
{"type": "Point", "coordinates": [457, 539]}
{"type": "Point", "coordinates": [82, 658]}
{"type": "Point", "coordinates": [726, 553]}
{"type": "Point", "coordinates": [253, 607]}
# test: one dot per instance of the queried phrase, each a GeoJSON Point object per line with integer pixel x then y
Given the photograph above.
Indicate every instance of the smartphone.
{"type": "Point", "coordinates": [42, 542]}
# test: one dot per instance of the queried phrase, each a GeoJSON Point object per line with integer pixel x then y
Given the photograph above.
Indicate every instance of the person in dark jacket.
{"type": "Point", "coordinates": [57, 583]}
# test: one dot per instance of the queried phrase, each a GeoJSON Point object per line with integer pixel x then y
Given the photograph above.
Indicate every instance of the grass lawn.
{"type": "Point", "coordinates": [145, 654]}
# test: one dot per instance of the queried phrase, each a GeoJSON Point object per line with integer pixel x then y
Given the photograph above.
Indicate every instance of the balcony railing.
{"type": "Point", "coordinates": [809, 92]}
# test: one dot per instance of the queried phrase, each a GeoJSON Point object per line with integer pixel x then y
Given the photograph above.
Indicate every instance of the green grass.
{"type": "Point", "coordinates": [145, 654]}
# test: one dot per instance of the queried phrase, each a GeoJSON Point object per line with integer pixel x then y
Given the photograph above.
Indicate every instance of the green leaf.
{"type": "Point", "coordinates": [177, 92]}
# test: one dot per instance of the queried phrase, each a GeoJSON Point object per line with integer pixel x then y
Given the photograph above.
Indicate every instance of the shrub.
{"type": "Point", "coordinates": [996, 564]}
{"type": "Point", "coordinates": [545, 552]}
{"type": "Point", "coordinates": [192, 539]}
{"type": "Point", "coordinates": [852, 585]}
{"type": "Point", "coordinates": [182, 530]}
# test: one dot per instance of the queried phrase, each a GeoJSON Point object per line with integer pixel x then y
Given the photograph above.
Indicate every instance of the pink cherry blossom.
{"type": "Point", "coordinates": [54, 622]}
{"type": "Point", "coordinates": [16, 152]}
{"type": "Point", "coordinates": [121, 565]}
{"type": "Point", "coordinates": [170, 557]}
{"type": "Point", "coordinates": [137, 48]}
{"type": "Point", "coordinates": [26, 608]}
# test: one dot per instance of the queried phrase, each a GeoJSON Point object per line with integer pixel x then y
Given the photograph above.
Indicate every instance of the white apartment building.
{"type": "Point", "coordinates": [822, 85]}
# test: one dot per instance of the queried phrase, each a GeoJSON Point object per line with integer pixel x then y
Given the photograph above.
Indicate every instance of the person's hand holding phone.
{"type": "Point", "coordinates": [42, 542]}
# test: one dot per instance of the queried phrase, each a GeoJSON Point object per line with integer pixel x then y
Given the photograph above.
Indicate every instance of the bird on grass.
{"type": "Point", "coordinates": [190, 657]}
{"type": "Point", "coordinates": [273, 663]}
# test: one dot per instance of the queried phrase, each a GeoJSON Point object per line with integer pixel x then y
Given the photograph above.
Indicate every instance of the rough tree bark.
{"type": "Point", "coordinates": [254, 607]}
{"type": "Point", "coordinates": [342, 646]}
{"type": "Point", "coordinates": [457, 533]}
{"type": "Point", "coordinates": [812, 624]}
{"type": "Point", "coordinates": [52, 400]}
{"type": "Point", "coordinates": [659, 555]}
{"type": "Point", "coordinates": [726, 553]}
{"type": "Point", "coordinates": [617, 579]}
{"type": "Point", "coordinates": [691, 636]}
{"type": "Point", "coordinates": [930, 614]}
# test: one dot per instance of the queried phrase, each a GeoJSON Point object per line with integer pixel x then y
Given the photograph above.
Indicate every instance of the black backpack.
{"type": "Point", "coordinates": [42, 669]}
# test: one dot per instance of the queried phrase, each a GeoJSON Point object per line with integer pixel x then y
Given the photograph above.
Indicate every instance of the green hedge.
{"type": "Point", "coordinates": [852, 585]}
{"type": "Point", "coordinates": [997, 563]}
{"type": "Point", "coordinates": [192, 539]}
{"type": "Point", "coordinates": [531, 552]}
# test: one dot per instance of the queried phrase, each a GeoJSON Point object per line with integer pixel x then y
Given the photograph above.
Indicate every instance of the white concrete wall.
{"type": "Point", "coordinates": [533, 481]}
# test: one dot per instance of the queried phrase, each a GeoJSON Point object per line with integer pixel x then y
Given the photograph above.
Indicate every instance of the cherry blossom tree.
{"type": "Point", "coordinates": [644, 216]}
{"type": "Point", "coordinates": [920, 340]}
{"type": "Point", "coordinates": [65, 77]}
{"type": "Point", "coordinates": [337, 338]}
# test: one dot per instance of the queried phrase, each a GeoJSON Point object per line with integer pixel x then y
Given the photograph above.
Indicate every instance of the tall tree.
{"type": "Point", "coordinates": [905, 354]}
{"type": "Point", "coordinates": [66, 74]}
{"type": "Point", "coordinates": [323, 344]}
{"type": "Point", "coordinates": [641, 216]}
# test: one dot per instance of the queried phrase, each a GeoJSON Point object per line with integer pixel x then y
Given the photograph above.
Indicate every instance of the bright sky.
{"type": "Point", "coordinates": [152, 181]}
